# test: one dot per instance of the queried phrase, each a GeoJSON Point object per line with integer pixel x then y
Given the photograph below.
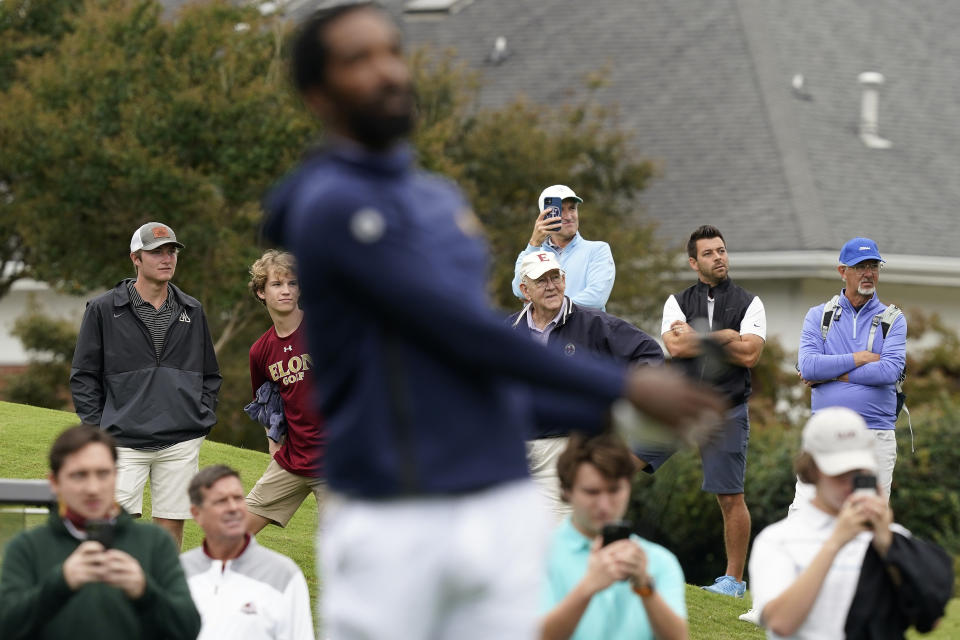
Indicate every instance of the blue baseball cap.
{"type": "Point", "coordinates": [858, 250]}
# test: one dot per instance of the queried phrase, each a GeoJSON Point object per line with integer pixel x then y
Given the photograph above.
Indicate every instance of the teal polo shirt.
{"type": "Point", "coordinates": [616, 612]}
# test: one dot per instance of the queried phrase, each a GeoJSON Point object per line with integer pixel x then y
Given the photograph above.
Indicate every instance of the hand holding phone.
{"type": "Point", "coordinates": [101, 530]}
{"type": "Point", "coordinates": [547, 222]}
{"type": "Point", "coordinates": [865, 484]}
{"type": "Point", "coordinates": [554, 206]}
{"type": "Point", "coordinates": [614, 531]}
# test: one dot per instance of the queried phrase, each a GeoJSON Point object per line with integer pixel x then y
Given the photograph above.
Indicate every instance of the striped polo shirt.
{"type": "Point", "coordinates": [157, 320]}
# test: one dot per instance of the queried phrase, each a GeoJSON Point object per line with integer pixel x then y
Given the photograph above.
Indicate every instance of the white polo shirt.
{"type": "Point", "coordinates": [784, 549]}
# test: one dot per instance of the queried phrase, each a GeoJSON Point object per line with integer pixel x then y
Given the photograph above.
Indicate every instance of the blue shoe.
{"type": "Point", "coordinates": [727, 586]}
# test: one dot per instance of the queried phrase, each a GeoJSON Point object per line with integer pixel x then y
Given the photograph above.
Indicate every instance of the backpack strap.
{"type": "Point", "coordinates": [831, 312]}
{"type": "Point", "coordinates": [884, 320]}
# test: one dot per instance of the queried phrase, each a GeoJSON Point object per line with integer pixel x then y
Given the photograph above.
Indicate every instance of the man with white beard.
{"type": "Point", "coordinates": [853, 351]}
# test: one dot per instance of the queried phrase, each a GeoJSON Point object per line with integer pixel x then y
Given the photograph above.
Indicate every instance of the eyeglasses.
{"type": "Point", "coordinates": [866, 266]}
{"type": "Point", "coordinates": [541, 282]}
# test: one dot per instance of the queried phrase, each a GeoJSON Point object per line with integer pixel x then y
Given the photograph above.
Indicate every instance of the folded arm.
{"type": "Point", "coordinates": [886, 369]}
{"type": "Point", "coordinates": [816, 365]}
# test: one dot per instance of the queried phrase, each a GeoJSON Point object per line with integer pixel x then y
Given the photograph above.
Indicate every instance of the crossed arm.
{"type": "Point", "coordinates": [859, 367]}
{"type": "Point", "coordinates": [743, 350]}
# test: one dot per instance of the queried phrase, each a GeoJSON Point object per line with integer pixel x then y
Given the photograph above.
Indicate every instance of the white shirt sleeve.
{"type": "Point", "coordinates": [297, 624]}
{"type": "Point", "coordinates": [671, 313]}
{"type": "Point", "coordinates": [754, 320]}
{"type": "Point", "coordinates": [771, 570]}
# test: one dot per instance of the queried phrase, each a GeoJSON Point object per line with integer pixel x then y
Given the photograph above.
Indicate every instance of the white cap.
{"type": "Point", "coordinates": [839, 441]}
{"type": "Point", "coordinates": [538, 263]}
{"type": "Point", "coordinates": [557, 191]}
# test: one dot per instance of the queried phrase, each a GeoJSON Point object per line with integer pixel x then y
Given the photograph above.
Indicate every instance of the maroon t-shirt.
{"type": "Point", "coordinates": [286, 362]}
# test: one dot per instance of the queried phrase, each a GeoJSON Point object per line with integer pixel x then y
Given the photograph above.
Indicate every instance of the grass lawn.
{"type": "Point", "coordinates": [26, 434]}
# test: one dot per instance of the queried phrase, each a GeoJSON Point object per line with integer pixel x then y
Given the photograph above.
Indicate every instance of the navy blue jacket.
{"type": "Point", "coordinates": [424, 389]}
{"type": "Point", "coordinates": [582, 332]}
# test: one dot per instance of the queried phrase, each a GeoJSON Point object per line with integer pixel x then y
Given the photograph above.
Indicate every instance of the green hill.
{"type": "Point", "coordinates": [27, 432]}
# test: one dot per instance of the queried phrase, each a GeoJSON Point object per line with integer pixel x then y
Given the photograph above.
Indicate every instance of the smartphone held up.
{"type": "Point", "coordinates": [865, 484]}
{"type": "Point", "coordinates": [554, 207]}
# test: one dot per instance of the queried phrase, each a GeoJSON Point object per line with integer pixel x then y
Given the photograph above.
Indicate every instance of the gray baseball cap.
{"type": "Point", "coordinates": [153, 235]}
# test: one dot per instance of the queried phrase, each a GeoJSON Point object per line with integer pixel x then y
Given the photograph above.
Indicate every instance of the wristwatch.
{"type": "Point", "coordinates": [644, 589]}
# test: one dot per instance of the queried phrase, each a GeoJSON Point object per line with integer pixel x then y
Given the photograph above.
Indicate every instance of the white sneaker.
{"type": "Point", "coordinates": [752, 616]}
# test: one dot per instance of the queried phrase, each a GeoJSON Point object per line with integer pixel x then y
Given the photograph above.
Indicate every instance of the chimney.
{"type": "Point", "coordinates": [869, 110]}
{"type": "Point", "coordinates": [499, 53]}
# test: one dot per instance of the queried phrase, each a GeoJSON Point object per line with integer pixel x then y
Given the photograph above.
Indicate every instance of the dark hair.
{"type": "Point", "coordinates": [607, 452]}
{"type": "Point", "coordinates": [805, 468]}
{"type": "Point", "coordinates": [308, 50]}
{"type": "Point", "coordinates": [76, 438]}
{"type": "Point", "coordinates": [704, 232]}
{"type": "Point", "coordinates": [206, 478]}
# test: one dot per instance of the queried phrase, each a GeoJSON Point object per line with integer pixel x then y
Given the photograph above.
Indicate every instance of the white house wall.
{"type": "Point", "coordinates": [787, 302]}
{"type": "Point", "coordinates": [15, 303]}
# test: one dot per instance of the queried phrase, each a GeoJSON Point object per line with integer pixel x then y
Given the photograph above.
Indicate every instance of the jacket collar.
{"type": "Point", "coordinates": [121, 296]}
{"type": "Point", "coordinates": [395, 160]}
{"type": "Point", "coordinates": [58, 524]}
{"type": "Point", "coordinates": [705, 288]}
{"type": "Point", "coordinates": [568, 309]}
{"type": "Point", "coordinates": [871, 304]}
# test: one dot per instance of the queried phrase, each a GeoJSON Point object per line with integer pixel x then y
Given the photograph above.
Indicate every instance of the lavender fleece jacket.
{"type": "Point", "coordinates": [871, 391]}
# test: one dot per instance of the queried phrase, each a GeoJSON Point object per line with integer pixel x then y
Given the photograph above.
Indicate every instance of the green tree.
{"type": "Point", "coordinates": [131, 119]}
{"type": "Point", "coordinates": [28, 30]}
{"type": "Point", "coordinates": [127, 118]}
{"type": "Point", "coordinates": [50, 343]}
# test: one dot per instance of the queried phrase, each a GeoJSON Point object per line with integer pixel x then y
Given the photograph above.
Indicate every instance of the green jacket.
{"type": "Point", "coordinates": [35, 601]}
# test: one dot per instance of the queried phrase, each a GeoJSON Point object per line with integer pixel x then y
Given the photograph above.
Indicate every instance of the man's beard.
{"type": "Point", "coordinates": [377, 129]}
{"type": "Point", "coordinates": [866, 290]}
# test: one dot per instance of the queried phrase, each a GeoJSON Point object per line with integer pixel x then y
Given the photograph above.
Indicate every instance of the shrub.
{"type": "Point", "coordinates": [670, 509]}
{"type": "Point", "coordinates": [51, 342]}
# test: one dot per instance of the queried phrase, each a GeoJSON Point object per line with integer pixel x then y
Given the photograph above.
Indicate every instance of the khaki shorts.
{"type": "Point", "coordinates": [169, 470]}
{"type": "Point", "coordinates": [542, 456]}
{"type": "Point", "coordinates": [278, 494]}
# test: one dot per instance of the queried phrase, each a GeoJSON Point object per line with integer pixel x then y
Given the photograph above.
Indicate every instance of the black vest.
{"type": "Point", "coordinates": [729, 307]}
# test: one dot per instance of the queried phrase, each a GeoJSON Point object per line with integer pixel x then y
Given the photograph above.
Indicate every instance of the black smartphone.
{"type": "Point", "coordinates": [101, 531]}
{"type": "Point", "coordinates": [616, 531]}
{"type": "Point", "coordinates": [865, 483]}
{"type": "Point", "coordinates": [554, 204]}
